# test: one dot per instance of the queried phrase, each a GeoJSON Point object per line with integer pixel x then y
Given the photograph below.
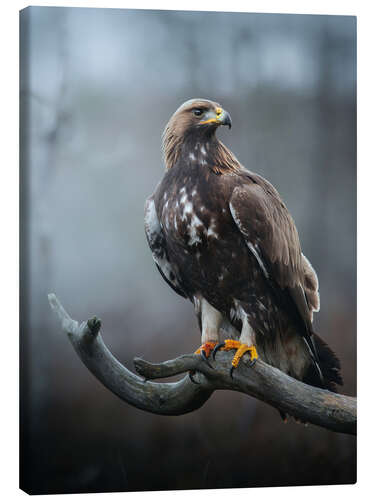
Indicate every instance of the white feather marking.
{"type": "Point", "coordinates": [153, 230]}
{"type": "Point", "coordinates": [250, 246]}
{"type": "Point", "coordinates": [211, 229]}
{"type": "Point", "coordinates": [194, 226]}
{"type": "Point", "coordinates": [236, 311]}
{"type": "Point", "coordinates": [188, 208]}
{"type": "Point", "coordinates": [192, 156]}
{"type": "Point", "coordinates": [261, 305]}
{"type": "Point", "coordinates": [314, 360]}
{"type": "Point", "coordinates": [151, 220]}
{"type": "Point", "coordinates": [317, 309]}
{"type": "Point", "coordinates": [256, 255]}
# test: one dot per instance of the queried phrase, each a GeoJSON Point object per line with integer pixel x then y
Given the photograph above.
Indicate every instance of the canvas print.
{"type": "Point", "coordinates": [188, 250]}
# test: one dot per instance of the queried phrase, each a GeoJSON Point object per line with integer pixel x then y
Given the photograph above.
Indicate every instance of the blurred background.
{"type": "Point", "coordinates": [97, 88]}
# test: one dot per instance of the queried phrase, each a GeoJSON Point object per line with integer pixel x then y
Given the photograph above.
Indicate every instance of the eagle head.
{"type": "Point", "coordinates": [195, 120]}
{"type": "Point", "coordinates": [199, 115]}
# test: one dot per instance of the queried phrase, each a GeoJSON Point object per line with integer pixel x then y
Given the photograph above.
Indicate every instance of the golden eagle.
{"type": "Point", "coordinates": [221, 236]}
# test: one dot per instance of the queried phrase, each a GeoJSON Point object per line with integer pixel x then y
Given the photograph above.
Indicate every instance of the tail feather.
{"type": "Point", "coordinates": [329, 367]}
{"type": "Point", "coordinates": [324, 369]}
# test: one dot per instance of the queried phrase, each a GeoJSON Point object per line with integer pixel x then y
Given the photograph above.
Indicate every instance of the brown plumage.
{"type": "Point", "coordinates": [222, 237]}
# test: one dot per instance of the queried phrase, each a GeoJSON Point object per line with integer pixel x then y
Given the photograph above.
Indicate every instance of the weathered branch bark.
{"type": "Point", "coordinates": [317, 406]}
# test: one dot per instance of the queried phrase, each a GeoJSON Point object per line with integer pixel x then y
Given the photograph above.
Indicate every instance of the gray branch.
{"type": "Point", "coordinates": [310, 404]}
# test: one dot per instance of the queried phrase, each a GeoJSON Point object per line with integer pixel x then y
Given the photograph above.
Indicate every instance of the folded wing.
{"type": "Point", "coordinates": [271, 236]}
{"type": "Point", "coordinates": [156, 240]}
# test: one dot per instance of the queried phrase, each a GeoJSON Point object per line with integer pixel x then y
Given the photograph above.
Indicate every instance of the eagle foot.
{"type": "Point", "coordinates": [205, 350]}
{"type": "Point", "coordinates": [241, 349]}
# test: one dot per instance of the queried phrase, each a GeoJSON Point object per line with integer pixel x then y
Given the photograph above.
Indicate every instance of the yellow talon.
{"type": "Point", "coordinates": [231, 344]}
{"type": "Point", "coordinates": [206, 348]}
{"type": "Point", "coordinates": [239, 353]}
{"type": "Point", "coordinates": [253, 353]}
{"type": "Point", "coordinates": [240, 350]}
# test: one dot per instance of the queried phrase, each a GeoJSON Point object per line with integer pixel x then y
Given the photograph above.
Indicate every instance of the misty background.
{"type": "Point", "coordinates": [97, 88]}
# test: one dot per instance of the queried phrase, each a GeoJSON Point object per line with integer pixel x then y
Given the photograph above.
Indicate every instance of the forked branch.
{"type": "Point", "coordinates": [311, 404]}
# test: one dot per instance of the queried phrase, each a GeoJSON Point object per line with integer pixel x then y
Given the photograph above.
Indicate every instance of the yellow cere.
{"type": "Point", "coordinates": [218, 111]}
{"type": "Point", "coordinates": [211, 120]}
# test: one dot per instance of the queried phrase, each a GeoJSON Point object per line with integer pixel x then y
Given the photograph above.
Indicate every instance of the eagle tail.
{"type": "Point", "coordinates": [325, 370]}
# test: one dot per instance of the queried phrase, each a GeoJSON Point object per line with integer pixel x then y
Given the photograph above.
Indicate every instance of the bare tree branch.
{"type": "Point", "coordinates": [311, 404]}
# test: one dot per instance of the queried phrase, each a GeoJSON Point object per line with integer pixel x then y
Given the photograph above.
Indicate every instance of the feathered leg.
{"type": "Point", "coordinates": [210, 320]}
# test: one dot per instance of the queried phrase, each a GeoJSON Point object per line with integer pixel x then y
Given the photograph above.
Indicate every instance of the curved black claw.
{"type": "Point", "coordinates": [217, 348]}
{"type": "Point", "coordinates": [204, 357]}
{"type": "Point", "coordinates": [191, 374]}
{"type": "Point", "coordinates": [252, 363]}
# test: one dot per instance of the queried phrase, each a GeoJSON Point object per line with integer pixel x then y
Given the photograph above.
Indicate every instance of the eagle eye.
{"type": "Point", "coordinates": [198, 112]}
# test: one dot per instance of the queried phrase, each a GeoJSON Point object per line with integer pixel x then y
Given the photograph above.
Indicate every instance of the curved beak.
{"type": "Point", "coordinates": [217, 117]}
{"type": "Point", "coordinates": [225, 119]}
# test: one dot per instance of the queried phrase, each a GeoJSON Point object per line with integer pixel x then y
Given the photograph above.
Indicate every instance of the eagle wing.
{"type": "Point", "coordinates": [271, 236]}
{"type": "Point", "coordinates": [157, 243]}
